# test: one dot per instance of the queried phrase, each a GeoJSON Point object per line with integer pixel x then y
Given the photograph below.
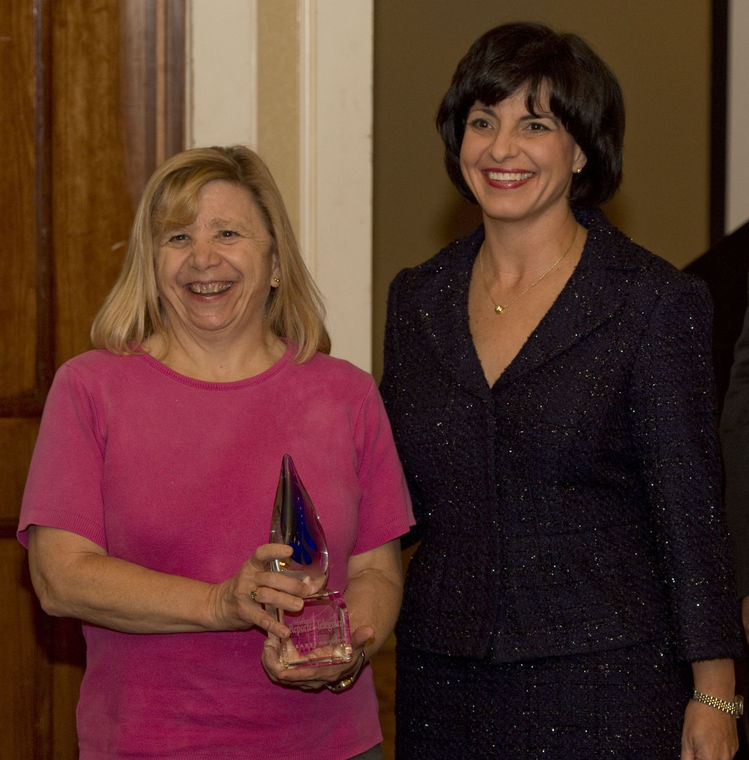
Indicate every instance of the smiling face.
{"type": "Point", "coordinates": [215, 274]}
{"type": "Point", "coordinates": [518, 164]}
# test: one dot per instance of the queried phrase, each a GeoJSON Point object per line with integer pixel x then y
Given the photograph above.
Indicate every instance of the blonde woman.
{"type": "Point", "coordinates": [148, 502]}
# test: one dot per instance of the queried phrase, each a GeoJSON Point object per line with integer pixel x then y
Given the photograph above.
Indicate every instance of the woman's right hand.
{"type": "Point", "coordinates": [75, 577]}
{"type": "Point", "coordinates": [238, 601]}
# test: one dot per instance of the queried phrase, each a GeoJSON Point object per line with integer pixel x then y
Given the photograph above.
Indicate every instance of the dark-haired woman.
{"type": "Point", "coordinates": [549, 385]}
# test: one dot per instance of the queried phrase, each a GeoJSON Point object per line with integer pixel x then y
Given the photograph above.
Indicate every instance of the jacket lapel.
{"type": "Point", "coordinates": [595, 293]}
{"type": "Point", "coordinates": [442, 307]}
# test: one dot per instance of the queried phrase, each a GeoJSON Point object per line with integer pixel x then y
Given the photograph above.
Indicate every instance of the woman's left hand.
{"type": "Point", "coordinates": [320, 676]}
{"type": "Point", "coordinates": [708, 734]}
{"type": "Point", "coordinates": [373, 597]}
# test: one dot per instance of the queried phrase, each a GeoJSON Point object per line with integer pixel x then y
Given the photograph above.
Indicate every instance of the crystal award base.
{"type": "Point", "coordinates": [319, 632]}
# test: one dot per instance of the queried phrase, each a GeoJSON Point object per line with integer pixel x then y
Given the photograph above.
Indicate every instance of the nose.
{"type": "Point", "coordinates": [203, 255]}
{"type": "Point", "coordinates": [503, 146]}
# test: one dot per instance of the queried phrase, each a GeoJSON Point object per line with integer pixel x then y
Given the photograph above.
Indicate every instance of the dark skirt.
{"type": "Point", "coordinates": [626, 703]}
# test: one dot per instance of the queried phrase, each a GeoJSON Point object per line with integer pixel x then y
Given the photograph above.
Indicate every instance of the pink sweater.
{"type": "Point", "coordinates": [179, 475]}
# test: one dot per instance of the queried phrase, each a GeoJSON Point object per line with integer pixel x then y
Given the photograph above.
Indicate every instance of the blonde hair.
{"type": "Point", "coordinates": [131, 312]}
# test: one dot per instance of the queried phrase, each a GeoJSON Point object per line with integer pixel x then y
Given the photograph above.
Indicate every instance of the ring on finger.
{"type": "Point", "coordinates": [253, 595]}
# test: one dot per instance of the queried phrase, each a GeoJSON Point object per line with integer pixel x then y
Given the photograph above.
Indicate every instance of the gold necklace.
{"type": "Point", "coordinates": [498, 308]}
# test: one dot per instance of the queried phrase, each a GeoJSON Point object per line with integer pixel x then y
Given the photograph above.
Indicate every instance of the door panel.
{"type": "Point", "coordinates": [92, 102]}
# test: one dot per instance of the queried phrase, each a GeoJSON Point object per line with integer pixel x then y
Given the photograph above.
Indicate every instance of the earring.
{"type": "Point", "coordinates": [276, 281]}
{"type": "Point", "coordinates": [579, 170]}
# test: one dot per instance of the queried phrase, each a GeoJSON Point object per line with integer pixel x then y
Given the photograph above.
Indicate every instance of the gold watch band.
{"type": "Point", "coordinates": [735, 709]}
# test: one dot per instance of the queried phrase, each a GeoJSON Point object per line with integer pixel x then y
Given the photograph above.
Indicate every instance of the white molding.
{"type": "Point", "coordinates": [221, 78]}
{"type": "Point", "coordinates": [339, 173]}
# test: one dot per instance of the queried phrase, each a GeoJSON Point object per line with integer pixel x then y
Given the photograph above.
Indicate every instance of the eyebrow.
{"type": "Point", "coordinates": [541, 115]}
{"type": "Point", "coordinates": [527, 117]}
{"type": "Point", "coordinates": [218, 222]}
{"type": "Point", "coordinates": [483, 109]}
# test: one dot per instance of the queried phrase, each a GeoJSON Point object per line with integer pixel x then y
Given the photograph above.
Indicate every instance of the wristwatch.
{"type": "Point", "coordinates": [735, 708]}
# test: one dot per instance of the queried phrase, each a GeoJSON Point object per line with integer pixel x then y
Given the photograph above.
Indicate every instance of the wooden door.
{"type": "Point", "coordinates": [92, 100]}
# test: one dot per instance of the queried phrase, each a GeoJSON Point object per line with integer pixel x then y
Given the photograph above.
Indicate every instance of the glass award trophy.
{"type": "Point", "coordinates": [320, 631]}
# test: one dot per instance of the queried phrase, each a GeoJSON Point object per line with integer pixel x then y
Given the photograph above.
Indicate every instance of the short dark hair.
{"type": "Point", "coordinates": [583, 92]}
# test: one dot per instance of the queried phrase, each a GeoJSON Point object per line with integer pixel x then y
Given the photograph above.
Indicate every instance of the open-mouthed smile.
{"type": "Point", "coordinates": [505, 176]}
{"type": "Point", "coordinates": [209, 288]}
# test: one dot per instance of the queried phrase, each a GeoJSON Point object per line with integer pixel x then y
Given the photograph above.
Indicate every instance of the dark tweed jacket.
{"type": "Point", "coordinates": [576, 506]}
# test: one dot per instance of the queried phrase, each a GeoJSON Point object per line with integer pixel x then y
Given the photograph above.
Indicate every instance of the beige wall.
{"type": "Point", "coordinates": [276, 101]}
{"type": "Point", "coordinates": [661, 55]}
{"type": "Point", "coordinates": [279, 94]}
